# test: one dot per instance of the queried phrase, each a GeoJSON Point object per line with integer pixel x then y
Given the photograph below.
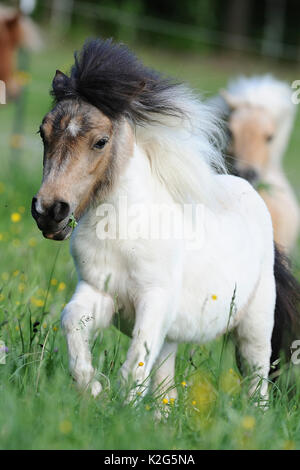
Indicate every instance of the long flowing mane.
{"type": "Point", "coordinates": [180, 135]}
{"type": "Point", "coordinates": [273, 95]}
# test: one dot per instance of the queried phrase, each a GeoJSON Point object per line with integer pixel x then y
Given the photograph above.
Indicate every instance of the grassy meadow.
{"type": "Point", "coordinates": [40, 408]}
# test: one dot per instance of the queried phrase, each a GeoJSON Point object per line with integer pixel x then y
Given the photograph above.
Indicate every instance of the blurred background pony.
{"type": "Point", "coordinates": [16, 31]}
{"type": "Point", "coordinates": [260, 114]}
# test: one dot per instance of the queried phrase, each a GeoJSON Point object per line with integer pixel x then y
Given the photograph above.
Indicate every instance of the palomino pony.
{"type": "Point", "coordinates": [121, 142]}
{"type": "Point", "coordinates": [260, 116]}
{"type": "Point", "coordinates": [16, 30]}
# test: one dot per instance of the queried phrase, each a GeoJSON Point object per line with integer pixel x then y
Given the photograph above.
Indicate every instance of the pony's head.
{"type": "Point", "coordinates": [251, 131]}
{"type": "Point", "coordinates": [88, 136]}
{"type": "Point", "coordinates": [260, 114]}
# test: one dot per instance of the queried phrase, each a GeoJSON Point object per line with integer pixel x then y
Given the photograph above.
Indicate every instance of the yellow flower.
{"type": "Point", "coordinates": [17, 328]}
{"type": "Point", "coordinates": [21, 287]}
{"type": "Point", "coordinates": [15, 217]}
{"type": "Point", "coordinates": [18, 302]}
{"type": "Point", "coordinates": [2, 187]}
{"type": "Point", "coordinates": [61, 286]}
{"type": "Point", "coordinates": [202, 393]}
{"type": "Point", "coordinates": [141, 364]}
{"type": "Point", "coordinates": [165, 401]}
{"type": "Point", "coordinates": [1, 297]}
{"type": "Point", "coordinates": [214, 297]}
{"type": "Point", "coordinates": [230, 382]}
{"type": "Point", "coordinates": [65, 427]}
{"type": "Point", "coordinates": [53, 282]}
{"type": "Point", "coordinates": [16, 273]}
{"type": "Point", "coordinates": [32, 242]}
{"type": "Point", "coordinates": [147, 407]}
{"type": "Point", "coordinates": [289, 445]}
{"type": "Point", "coordinates": [248, 422]}
{"type": "Point", "coordinates": [37, 302]}
{"type": "Point", "coordinates": [172, 401]}
{"type": "Point", "coordinates": [55, 328]}
{"type": "Point", "coordinates": [184, 384]}
{"type": "Point", "coordinates": [45, 325]}
{"type": "Point", "coordinates": [23, 277]}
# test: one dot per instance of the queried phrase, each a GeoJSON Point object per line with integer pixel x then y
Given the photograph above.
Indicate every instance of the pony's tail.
{"type": "Point", "coordinates": [287, 308]}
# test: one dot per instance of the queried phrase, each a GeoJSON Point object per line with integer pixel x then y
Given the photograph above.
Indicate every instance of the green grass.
{"type": "Point", "coordinates": [39, 404]}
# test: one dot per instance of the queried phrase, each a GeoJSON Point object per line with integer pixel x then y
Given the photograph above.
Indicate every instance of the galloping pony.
{"type": "Point", "coordinates": [16, 30]}
{"type": "Point", "coordinates": [260, 114]}
{"type": "Point", "coordinates": [122, 133]}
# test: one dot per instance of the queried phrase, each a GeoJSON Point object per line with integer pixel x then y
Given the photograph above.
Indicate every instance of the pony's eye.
{"type": "Point", "coordinates": [269, 138]}
{"type": "Point", "coordinates": [101, 143]}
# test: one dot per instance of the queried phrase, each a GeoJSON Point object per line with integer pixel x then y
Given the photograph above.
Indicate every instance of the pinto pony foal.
{"type": "Point", "coordinates": [120, 131]}
{"type": "Point", "coordinates": [260, 116]}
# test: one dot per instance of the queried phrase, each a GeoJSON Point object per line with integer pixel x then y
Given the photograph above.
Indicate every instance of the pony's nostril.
{"type": "Point", "coordinates": [34, 208]}
{"type": "Point", "coordinates": [59, 211]}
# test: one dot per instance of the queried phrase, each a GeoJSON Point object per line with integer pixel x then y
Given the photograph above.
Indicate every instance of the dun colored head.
{"type": "Point", "coordinates": [251, 131]}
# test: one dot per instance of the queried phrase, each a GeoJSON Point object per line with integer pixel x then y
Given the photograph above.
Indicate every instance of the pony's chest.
{"type": "Point", "coordinates": [105, 264]}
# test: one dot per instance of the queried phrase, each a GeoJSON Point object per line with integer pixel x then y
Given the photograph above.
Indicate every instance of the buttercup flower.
{"type": "Point", "coordinates": [248, 422]}
{"type": "Point", "coordinates": [15, 217]}
{"type": "Point", "coordinates": [65, 427]}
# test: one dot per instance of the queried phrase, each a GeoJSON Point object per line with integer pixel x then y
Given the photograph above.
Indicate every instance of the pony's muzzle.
{"type": "Point", "coordinates": [248, 173]}
{"type": "Point", "coordinates": [53, 219]}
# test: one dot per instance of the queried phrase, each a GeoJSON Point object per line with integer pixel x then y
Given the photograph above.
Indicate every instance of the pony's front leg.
{"type": "Point", "coordinates": [87, 311]}
{"type": "Point", "coordinates": [164, 372]}
{"type": "Point", "coordinates": [154, 312]}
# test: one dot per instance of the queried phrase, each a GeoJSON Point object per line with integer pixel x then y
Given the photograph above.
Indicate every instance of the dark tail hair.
{"type": "Point", "coordinates": [287, 309]}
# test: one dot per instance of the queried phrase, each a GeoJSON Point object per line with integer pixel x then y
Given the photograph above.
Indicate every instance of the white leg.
{"type": "Point", "coordinates": [87, 311]}
{"type": "Point", "coordinates": [254, 334]}
{"type": "Point", "coordinates": [163, 380]}
{"type": "Point", "coordinates": [153, 316]}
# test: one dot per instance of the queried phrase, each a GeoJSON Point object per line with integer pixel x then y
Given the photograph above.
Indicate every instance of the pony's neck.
{"type": "Point", "coordinates": [137, 183]}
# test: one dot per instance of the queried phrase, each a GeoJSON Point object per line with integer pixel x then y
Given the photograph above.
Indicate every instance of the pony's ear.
{"type": "Point", "coordinates": [231, 100]}
{"type": "Point", "coordinates": [60, 81]}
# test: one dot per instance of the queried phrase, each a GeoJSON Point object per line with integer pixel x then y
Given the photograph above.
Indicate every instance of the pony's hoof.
{"type": "Point", "coordinates": [96, 388]}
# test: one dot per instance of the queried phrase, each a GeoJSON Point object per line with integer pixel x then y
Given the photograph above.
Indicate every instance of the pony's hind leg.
{"type": "Point", "coordinates": [164, 370]}
{"type": "Point", "coordinates": [87, 311]}
{"type": "Point", "coordinates": [254, 333]}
